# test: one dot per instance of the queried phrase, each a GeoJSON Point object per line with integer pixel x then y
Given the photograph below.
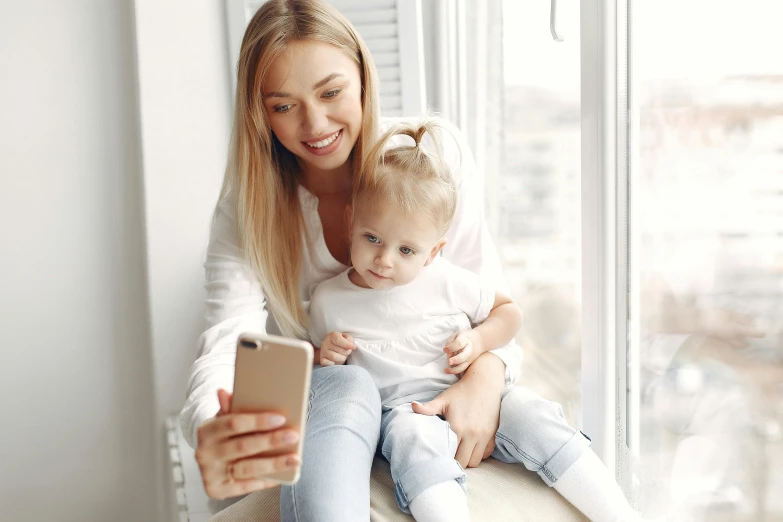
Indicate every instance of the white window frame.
{"type": "Point", "coordinates": [610, 373]}
{"type": "Point", "coordinates": [610, 401]}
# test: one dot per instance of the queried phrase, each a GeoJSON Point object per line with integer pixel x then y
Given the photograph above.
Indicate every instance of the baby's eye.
{"type": "Point", "coordinates": [372, 239]}
{"type": "Point", "coordinates": [406, 251]}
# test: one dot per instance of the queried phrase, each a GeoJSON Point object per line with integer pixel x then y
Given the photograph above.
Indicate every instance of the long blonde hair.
{"type": "Point", "coordinates": [261, 172]}
{"type": "Point", "coordinates": [412, 178]}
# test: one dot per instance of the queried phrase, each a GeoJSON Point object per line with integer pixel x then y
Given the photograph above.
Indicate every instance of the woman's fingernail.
{"type": "Point", "coordinates": [275, 420]}
{"type": "Point", "coordinates": [291, 461]}
{"type": "Point", "coordinates": [291, 437]}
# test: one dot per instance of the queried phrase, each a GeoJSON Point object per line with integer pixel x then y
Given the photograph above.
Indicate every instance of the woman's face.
{"type": "Point", "coordinates": [312, 96]}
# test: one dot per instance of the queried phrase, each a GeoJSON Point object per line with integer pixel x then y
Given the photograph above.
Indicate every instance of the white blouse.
{"type": "Point", "coordinates": [236, 304]}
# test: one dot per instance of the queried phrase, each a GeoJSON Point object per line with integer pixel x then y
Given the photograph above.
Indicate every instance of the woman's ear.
{"type": "Point", "coordinates": [434, 252]}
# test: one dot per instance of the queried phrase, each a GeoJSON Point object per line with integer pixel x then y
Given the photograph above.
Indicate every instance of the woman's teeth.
{"type": "Point", "coordinates": [323, 143]}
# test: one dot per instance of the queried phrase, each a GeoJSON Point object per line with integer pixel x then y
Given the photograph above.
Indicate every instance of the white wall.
{"type": "Point", "coordinates": [76, 387]}
{"type": "Point", "coordinates": [184, 102]}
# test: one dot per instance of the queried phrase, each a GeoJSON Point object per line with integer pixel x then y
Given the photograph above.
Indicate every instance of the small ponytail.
{"type": "Point", "coordinates": [414, 178]}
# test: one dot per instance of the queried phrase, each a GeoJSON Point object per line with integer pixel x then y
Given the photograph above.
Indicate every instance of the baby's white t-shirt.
{"type": "Point", "coordinates": [400, 332]}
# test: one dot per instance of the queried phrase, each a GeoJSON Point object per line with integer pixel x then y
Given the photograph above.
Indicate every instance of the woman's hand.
{"type": "Point", "coordinates": [227, 444]}
{"type": "Point", "coordinates": [472, 408]}
{"type": "Point", "coordinates": [336, 348]}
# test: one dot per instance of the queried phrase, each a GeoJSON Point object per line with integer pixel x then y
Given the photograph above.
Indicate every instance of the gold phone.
{"type": "Point", "coordinates": [273, 374]}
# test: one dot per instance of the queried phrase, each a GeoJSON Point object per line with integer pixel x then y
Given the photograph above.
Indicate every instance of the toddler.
{"type": "Point", "coordinates": [415, 322]}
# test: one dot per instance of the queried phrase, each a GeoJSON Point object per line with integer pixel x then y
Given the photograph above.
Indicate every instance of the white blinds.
{"type": "Point", "coordinates": [392, 29]}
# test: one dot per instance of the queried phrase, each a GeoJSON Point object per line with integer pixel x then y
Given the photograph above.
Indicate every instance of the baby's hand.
{"type": "Point", "coordinates": [336, 348]}
{"type": "Point", "coordinates": [462, 349]}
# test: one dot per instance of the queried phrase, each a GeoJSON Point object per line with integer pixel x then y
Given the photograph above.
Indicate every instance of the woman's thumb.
{"type": "Point", "coordinates": [434, 407]}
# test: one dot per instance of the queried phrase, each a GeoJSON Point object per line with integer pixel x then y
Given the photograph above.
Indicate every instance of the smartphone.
{"type": "Point", "coordinates": [272, 373]}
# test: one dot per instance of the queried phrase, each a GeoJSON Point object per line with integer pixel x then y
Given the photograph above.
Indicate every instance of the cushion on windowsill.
{"type": "Point", "coordinates": [497, 492]}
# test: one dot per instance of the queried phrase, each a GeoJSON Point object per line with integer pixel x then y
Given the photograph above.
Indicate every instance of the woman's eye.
{"type": "Point", "coordinates": [283, 108]}
{"type": "Point", "coordinates": [332, 93]}
{"type": "Point", "coordinates": [406, 251]}
{"type": "Point", "coordinates": [372, 239]}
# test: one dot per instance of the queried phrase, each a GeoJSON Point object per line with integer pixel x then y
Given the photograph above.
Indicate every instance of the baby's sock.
{"type": "Point", "coordinates": [443, 502]}
{"type": "Point", "coordinates": [588, 485]}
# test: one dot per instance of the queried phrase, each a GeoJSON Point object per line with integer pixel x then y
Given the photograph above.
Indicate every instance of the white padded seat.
{"type": "Point", "coordinates": [497, 492]}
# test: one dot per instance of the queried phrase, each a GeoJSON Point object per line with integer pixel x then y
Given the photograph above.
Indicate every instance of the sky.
{"type": "Point", "coordinates": [695, 39]}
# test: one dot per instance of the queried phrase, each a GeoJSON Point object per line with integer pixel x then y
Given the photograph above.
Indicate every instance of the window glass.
{"type": "Point", "coordinates": [534, 202]}
{"type": "Point", "coordinates": [707, 233]}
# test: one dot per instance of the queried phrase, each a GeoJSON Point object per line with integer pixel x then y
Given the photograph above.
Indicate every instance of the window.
{"type": "Point", "coordinates": [706, 231]}
{"type": "Point", "coordinates": [536, 196]}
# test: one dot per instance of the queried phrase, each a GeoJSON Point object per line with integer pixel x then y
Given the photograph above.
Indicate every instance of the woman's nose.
{"type": "Point", "coordinates": [316, 121]}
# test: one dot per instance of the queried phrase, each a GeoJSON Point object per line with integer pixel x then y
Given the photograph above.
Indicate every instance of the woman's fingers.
{"type": "Point", "coordinates": [489, 449]}
{"type": "Point", "coordinates": [478, 455]}
{"type": "Point", "coordinates": [253, 469]}
{"type": "Point", "coordinates": [465, 452]}
{"type": "Point", "coordinates": [226, 426]}
{"type": "Point", "coordinates": [249, 445]}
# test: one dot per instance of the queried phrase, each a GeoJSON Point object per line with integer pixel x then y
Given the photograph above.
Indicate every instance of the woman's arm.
{"type": "Point", "coordinates": [227, 444]}
{"type": "Point", "coordinates": [235, 304]}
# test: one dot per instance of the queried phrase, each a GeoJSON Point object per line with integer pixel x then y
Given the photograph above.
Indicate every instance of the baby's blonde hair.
{"type": "Point", "coordinates": [410, 177]}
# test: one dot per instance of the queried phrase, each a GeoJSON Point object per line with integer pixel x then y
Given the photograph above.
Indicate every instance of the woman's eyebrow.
{"type": "Point", "coordinates": [326, 80]}
{"type": "Point", "coordinates": [277, 95]}
{"type": "Point", "coordinates": [318, 85]}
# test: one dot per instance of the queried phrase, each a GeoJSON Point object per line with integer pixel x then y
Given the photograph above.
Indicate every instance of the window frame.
{"type": "Point", "coordinates": [610, 369]}
{"type": "Point", "coordinates": [610, 372]}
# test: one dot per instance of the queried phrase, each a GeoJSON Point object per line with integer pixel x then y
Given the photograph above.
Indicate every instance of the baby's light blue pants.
{"type": "Point", "coordinates": [344, 421]}
{"type": "Point", "coordinates": [421, 448]}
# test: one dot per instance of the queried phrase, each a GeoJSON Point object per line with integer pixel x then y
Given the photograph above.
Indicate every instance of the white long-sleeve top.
{"type": "Point", "coordinates": [236, 303]}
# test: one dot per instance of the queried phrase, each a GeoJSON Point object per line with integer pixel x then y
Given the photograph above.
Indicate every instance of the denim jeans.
{"type": "Point", "coordinates": [420, 449]}
{"type": "Point", "coordinates": [341, 436]}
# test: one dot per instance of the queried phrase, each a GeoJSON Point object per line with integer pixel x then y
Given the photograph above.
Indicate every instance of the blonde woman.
{"type": "Point", "coordinates": [306, 114]}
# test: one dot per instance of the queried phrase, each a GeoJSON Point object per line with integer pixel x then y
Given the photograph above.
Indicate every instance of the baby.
{"type": "Point", "coordinates": [416, 321]}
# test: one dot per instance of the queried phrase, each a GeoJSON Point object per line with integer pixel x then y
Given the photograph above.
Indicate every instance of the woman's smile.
{"type": "Point", "coordinates": [324, 146]}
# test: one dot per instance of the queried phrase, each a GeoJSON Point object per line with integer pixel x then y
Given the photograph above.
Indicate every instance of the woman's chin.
{"type": "Point", "coordinates": [331, 162]}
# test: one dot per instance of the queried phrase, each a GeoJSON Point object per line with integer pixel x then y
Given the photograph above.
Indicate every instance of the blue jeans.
{"type": "Point", "coordinates": [532, 431]}
{"type": "Point", "coordinates": [341, 435]}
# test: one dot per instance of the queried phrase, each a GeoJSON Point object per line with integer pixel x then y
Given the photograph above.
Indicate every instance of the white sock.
{"type": "Point", "coordinates": [588, 485]}
{"type": "Point", "coordinates": [443, 502]}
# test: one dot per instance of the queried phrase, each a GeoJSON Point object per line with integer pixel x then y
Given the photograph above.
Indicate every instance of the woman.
{"type": "Point", "coordinates": [306, 113]}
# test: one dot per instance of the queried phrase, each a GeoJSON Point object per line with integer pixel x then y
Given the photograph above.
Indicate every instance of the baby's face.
{"type": "Point", "coordinates": [389, 248]}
